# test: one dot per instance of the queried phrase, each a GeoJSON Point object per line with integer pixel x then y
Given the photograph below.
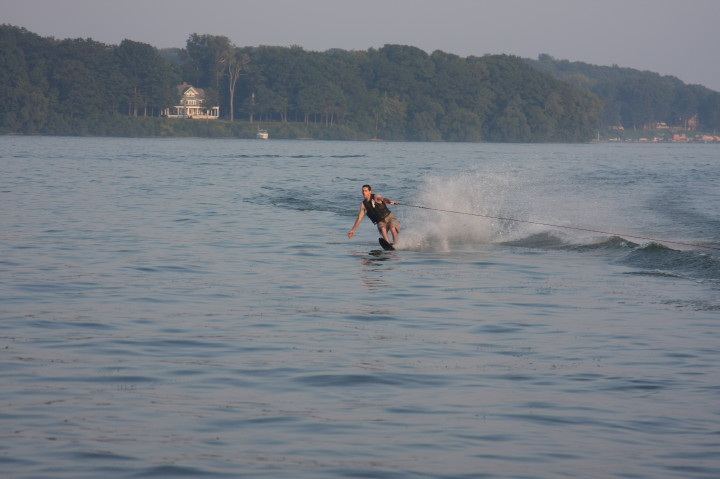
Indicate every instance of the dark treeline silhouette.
{"type": "Point", "coordinates": [638, 99]}
{"type": "Point", "coordinates": [397, 92]}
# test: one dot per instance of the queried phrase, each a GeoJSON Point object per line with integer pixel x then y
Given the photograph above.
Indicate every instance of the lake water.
{"type": "Point", "coordinates": [194, 308]}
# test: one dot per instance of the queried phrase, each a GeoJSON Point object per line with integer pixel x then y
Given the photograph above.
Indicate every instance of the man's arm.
{"type": "Point", "coordinates": [380, 199]}
{"type": "Point", "coordinates": [361, 214]}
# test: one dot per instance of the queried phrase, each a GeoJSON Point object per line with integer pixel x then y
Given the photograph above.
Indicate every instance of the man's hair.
{"type": "Point", "coordinates": [368, 187]}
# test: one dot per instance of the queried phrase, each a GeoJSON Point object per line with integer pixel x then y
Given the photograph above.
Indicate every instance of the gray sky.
{"type": "Point", "coordinates": [670, 37]}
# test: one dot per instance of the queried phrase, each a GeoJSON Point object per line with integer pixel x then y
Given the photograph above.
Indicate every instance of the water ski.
{"type": "Point", "coordinates": [385, 245]}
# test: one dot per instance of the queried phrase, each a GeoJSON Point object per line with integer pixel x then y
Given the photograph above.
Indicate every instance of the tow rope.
{"type": "Point", "coordinates": [559, 226]}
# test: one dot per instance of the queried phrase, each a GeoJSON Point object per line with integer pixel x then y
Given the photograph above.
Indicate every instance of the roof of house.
{"type": "Point", "coordinates": [185, 88]}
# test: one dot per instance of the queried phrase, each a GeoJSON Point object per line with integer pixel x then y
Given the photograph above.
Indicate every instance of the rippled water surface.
{"type": "Point", "coordinates": [193, 308]}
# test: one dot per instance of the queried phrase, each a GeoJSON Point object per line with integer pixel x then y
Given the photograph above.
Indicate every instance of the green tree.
{"type": "Point", "coordinates": [206, 59]}
{"type": "Point", "coordinates": [709, 110]}
{"type": "Point", "coordinates": [79, 77]}
{"type": "Point", "coordinates": [236, 63]}
{"type": "Point", "coordinates": [148, 81]}
{"type": "Point", "coordinates": [511, 125]}
{"type": "Point", "coordinates": [17, 103]}
{"type": "Point", "coordinates": [461, 125]}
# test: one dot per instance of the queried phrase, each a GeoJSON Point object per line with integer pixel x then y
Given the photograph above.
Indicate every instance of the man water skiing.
{"type": "Point", "coordinates": [374, 206]}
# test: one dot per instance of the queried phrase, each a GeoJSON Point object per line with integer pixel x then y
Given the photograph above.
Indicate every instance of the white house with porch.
{"type": "Point", "coordinates": [192, 105]}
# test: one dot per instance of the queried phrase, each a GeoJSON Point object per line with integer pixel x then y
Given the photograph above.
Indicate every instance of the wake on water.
{"type": "Point", "coordinates": [469, 210]}
{"type": "Point", "coordinates": [466, 212]}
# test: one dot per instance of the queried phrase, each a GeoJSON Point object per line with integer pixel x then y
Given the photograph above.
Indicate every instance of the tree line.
{"type": "Point", "coordinates": [81, 86]}
{"type": "Point", "coordinates": [78, 86]}
{"type": "Point", "coordinates": [638, 99]}
{"type": "Point", "coordinates": [397, 92]}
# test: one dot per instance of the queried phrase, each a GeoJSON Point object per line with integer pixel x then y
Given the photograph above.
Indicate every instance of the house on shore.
{"type": "Point", "coordinates": [192, 105]}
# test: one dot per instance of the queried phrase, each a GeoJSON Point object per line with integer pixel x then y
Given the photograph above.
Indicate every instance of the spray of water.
{"type": "Point", "coordinates": [436, 230]}
{"type": "Point", "coordinates": [510, 194]}
{"type": "Point", "coordinates": [526, 210]}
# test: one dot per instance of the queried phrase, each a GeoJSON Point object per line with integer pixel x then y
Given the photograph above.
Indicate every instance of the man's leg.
{"type": "Point", "coordinates": [395, 233]}
{"type": "Point", "coordinates": [394, 227]}
{"type": "Point", "coordinates": [382, 228]}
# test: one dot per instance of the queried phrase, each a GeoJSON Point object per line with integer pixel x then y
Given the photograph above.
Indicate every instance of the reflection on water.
{"type": "Point", "coordinates": [374, 265]}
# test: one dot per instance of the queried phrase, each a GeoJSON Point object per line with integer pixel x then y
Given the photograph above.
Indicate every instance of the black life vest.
{"type": "Point", "coordinates": [375, 211]}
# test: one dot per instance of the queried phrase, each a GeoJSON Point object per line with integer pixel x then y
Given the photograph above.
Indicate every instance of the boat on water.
{"type": "Point", "coordinates": [262, 135]}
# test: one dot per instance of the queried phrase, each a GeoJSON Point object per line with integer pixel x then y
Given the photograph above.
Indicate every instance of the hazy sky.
{"type": "Point", "coordinates": [670, 37]}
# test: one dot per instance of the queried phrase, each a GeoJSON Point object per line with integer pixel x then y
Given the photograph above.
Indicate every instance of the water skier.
{"type": "Point", "coordinates": [374, 206]}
